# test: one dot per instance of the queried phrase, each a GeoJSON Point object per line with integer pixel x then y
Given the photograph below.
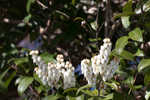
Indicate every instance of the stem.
{"type": "Point", "coordinates": [108, 16]}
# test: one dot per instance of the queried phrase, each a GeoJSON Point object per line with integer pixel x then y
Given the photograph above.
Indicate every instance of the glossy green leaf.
{"type": "Point", "coordinates": [144, 63]}
{"type": "Point", "coordinates": [24, 84]}
{"type": "Point", "coordinates": [120, 44]}
{"type": "Point", "coordinates": [113, 85]}
{"type": "Point", "coordinates": [127, 55]}
{"type": "Point", "coordinates": [90, 93]}
{"type": "Point", "coordinates": [125, 21]}
{"type": "Point", "coordinates": [136, 35]}
{"type": "Point", "coordinates": [139, 53]}
{"type": "Point", "coordinates": [109, 97]}
{"type": "Point", "coordinates": [83, 87]}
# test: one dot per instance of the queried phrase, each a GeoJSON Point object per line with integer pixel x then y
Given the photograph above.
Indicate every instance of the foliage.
{"type": "Point", "coordinates": [76, 29]}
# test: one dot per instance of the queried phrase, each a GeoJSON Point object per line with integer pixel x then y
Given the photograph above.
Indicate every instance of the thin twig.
{"type": "Point", "coordinates": [41, 4]}
{"type": "Point", "coordinates": [108, 18]}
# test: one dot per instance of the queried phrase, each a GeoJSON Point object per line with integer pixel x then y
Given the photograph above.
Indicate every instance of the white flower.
{"type": "Point", "coordinates": [68, 78]}
{"type": "Point", "coordinates": [100, 63]}
{"type": "Point", "coordinates": [51, 73]}
{"type": "Point", "coordinates": [147, 95]}
{"type": "Point", "coordinates": [34, 52]}
{"type": "Point", "coordinates": [87, 70]}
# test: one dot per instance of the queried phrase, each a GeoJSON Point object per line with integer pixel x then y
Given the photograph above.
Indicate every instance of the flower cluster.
{"type": "Point", "coordinates": [88, 72]}
{"type": "Point", "coordinates": [100, 64]}
{"type": "Point", "coordinates": [52, 72]}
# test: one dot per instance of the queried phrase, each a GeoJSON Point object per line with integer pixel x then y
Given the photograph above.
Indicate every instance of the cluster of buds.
{"type": "Point", "coordinates": [87, 71]}
{"type": "Point", "coordinates": [100, 64]}
{"type": "Point", "coordinates": [41, 70]}
{"type": "Point", "coordinates": [51, 73]}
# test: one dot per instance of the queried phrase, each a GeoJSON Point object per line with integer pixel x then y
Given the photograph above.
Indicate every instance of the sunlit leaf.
{"type": "Point", "coordinates": [27, 18]}
{"type": "Point", "coordinates": [94, 25]}
{"type": "Point", "coordinates": [139, 53]}
{"type": "Point", "coordinates": [125, 21]}
{"type": "Point", "coordinates": [145, 63]}
{"type": "Point", "coordinates": [83, 87]}
{"type": "Point", "coordinates": [81, 97]}
{"type": "Point", "coordinates": [136, 35]}
{"type": "Point", "coordinates": [120, 44]}
{"type": "Point", "coordinates": [90, 93]}
{"type": "Point", "coordinates": [24, 84]}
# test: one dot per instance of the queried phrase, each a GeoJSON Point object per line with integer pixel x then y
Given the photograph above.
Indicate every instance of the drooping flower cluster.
{"type": "Point", "coordinates": [88, 72]}
{"type": "Point", "coordinates": [100, 64]}
{"type": "Point", "coordinates": [51, 73]}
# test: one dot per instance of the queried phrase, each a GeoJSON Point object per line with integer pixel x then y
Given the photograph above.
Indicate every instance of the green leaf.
{"type": "Point", "coordinates": [81, 97]}
{"type": "Point", "coordinates": [2, 75]}
{"type": "Point", "coordinates": [122, 96]}
{"type": "Point", "coordinates": [123, 14]}
{"type": "Point", "coordinates": [147, 78]}
{"type": "Point", "coordinates": [129, 81]}
{"type": "Point", "coordinates": [109, 97]}
{"type": "Point", "coordinates": [90, 93]}
{"type": "Point", "coordinates": [127, 55]}
{"type": "Point", "coordinates": [83, 87]}
{"type": "Point", "coordinates": [27, 18]}
{"type": "Point", "coordinates": [69, 90]}
{"type": "Point", "coordinates": [19, 61]}
{"type": "Point", "coordinates": [125, 21]}
{"type": "Point", "coordinates": [128, 6]}
{"type": "Point", "coordinates": [120, 44]}
{"type": "Point", "coordinates": [136, 35]}
{"type": "Point", "coordinates": [139, 53]}
{"type": "Point", "coordinates": [47, 57]}
{"type": "Point", "coordinates": [136, 87]}
{"type": "Point", "coordinates": [94, 39]}
{"type": "Point", "coordinates": [11, 76]}
{"type": "Point", "coordinates": [144, 63]}
{"type": "Point", "coordinates": [24, 83]}
{"type": "Point", "coordinates": [28, 6]}
{"type": "Point", "coordinates": [51, 97]}
{"type": "Point", "coordinates": [146, 7]}
{"type": "Point", "coordinates": [113, 85]}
